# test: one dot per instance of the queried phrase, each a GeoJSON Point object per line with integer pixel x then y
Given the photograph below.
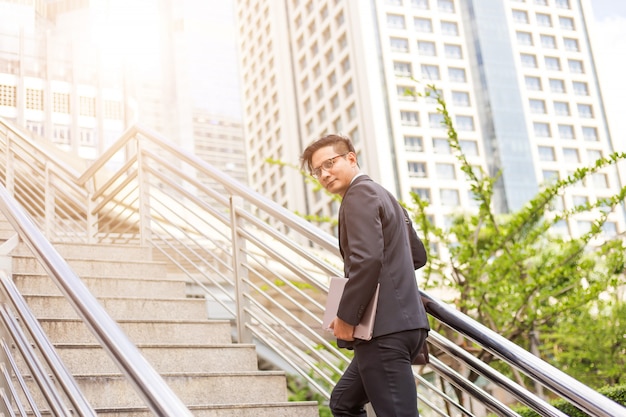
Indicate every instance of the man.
{"type": "Point", "coordinates": [377, 247]}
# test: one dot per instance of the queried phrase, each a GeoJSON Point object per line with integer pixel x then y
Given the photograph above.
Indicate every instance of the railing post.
{"type": "Point", "coordinates": [143, 188]}
{"type": "Point", "coordinates": [240, 274]}
{"type": "Point", "coordinates": [10, 168]}
{"type": "Point", "coordinates": [49, 196]}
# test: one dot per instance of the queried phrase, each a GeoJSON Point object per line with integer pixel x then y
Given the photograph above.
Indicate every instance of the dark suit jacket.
{"type": "Point", "coordinates": [376, 249]}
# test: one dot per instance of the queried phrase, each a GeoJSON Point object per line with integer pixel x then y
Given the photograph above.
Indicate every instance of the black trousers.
{"type": "Point", "coordinates": [380, 374]}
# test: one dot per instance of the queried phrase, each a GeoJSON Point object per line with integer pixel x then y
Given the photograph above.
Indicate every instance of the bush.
{"type": "Point", "coordinates": [616, 393]}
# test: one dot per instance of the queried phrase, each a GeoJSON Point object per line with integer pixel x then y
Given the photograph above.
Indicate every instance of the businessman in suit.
{"type": "Point", "coordinates": [377, 247]}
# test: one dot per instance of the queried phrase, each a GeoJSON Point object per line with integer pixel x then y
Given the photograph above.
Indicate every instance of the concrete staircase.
{"type": "Point", "coordinates": [195, 356]}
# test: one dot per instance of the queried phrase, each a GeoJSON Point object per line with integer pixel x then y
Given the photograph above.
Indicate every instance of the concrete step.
{"type": "Point", "coordinates": [255, 387]}
{"type": "Point", "coordinates": [104, 287]}
{"type": "Point", "coordinates": [122, 308]}
{"type": "Point", "coordinates": [92, 359]}
{"type": "Point", "coordinates": [101, 252]}
{"type": "Point", "coordinates": [279, 409]}
{"type": "Point", "coordinates": [95, 268]}
{"type": "Point", "coordinates": [200, 332]}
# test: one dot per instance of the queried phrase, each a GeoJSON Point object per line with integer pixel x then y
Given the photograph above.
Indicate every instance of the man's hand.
{"type": "Point", "coordinates": [342, 330]}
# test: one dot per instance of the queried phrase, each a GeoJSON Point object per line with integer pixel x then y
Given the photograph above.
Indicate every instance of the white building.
{"type": "Point", "coordinates": [79, 72]}
{"type": "Point", "coordinates": [518, 77]}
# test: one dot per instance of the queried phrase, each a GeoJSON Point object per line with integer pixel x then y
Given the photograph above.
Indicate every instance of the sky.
{"type": "Point", "coordinates": [609, 40]}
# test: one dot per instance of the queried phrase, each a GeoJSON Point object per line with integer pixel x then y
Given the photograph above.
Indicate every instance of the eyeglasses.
{"type": "Point", "coordinates": [326, 165]}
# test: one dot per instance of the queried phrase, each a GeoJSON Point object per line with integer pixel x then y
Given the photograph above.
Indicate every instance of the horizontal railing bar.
{"type": "Point", "coordinates": [149, 384]}
{"type": "Point", "coordinates": [559, 382]}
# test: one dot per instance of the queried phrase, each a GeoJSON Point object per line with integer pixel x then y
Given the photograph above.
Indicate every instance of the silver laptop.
{"type": "Point", "coordinates": [365, 328]}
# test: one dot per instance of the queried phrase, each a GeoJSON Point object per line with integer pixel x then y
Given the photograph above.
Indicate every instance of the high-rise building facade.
{"type": "Point", "coordinates": [518, 77]}
{"type": "Point", "coordinates": [79, 72]}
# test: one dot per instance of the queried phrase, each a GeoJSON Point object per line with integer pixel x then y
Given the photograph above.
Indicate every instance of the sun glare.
{"type": "Point", "coordinates": [127, 33]}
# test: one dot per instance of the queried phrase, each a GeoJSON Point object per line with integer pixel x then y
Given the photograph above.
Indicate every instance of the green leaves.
{"type": "Point", "coordinates": [513, 272]}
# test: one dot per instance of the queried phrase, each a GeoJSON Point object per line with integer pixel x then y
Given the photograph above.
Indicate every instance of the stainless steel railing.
{"type": "Point", "coordinates": [148, 383]}
{"type": "Point", "coordinates": [255, 262]}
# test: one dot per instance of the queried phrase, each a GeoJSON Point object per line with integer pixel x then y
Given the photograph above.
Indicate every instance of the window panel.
{"type": "Point", "coordinates": [533, 83]}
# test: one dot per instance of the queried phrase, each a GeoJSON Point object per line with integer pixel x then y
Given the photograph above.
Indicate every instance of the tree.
{"type": "Point", "coordinates": [513, 273]}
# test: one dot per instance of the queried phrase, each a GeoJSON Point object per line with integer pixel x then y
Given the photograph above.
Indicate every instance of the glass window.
{"type": "Point", "coordinates": [426, 48]}
{"type": "Point", "coordinates": [413, 143]}
{"type": "Point", "coordinates": [430, 72]}
{"type": "Point", "coordinates": [61, 134]}
{"type": "Point", "coordinates": [410, 118]}
{"type": "Point", "coordinates": [449, 197]}
{"type": "Point", "coordinates": [465, 123]}
{"type": "Point", "coordinates": [406, 93]}
{"type": "Point", "coordinates": [566, 132]}
{"type": "Point", "coordinates": [610, 229]}
{"type": "Point", "coordinates": [524, 38]}
{"type": "Point", "coordinates": [546, 153]}
{"type": "Point", "coordinates": [520, 16]}
{"type": "Point", "coordinates": [537, 106]}
{"type": "Point", "coordinates": [417, 169]}
{"type": "Point", "coordinates": [396, 21]}
{"type": "Point", "coordinates": [435, 120]}
{"type": "Point", "coordinates": [550, 175]}
{"type": "Point", "coordinates": [590, 134]}
{"type": "Point", "coordinates": [544, 20]}
{"type": "Point", "coordinates": [402, 69]}
{"type": "Point", "coordinates": [338, 124]}
{"type": "Point", "coordinates": [423, 25]}
{"type": "Point", "coordinates": [457, 75]}
{"type": "Point", "coordinates": [580, 200]}
{"type": "Point", "coordinates": [449, 28]}
{"type": "Point", "coordinates": [566, 23]}
{"type": "Point", "coordinates": [423, 193]}
{"type": "Point", "coordinates": [420, 4]}
{"type": "Point", "coordinates": [453, 51]}
{"type": "Point", "coordinates": [399, 44]}
{"type": "Point", "coordinates": [461, 98]}
{"type": "Point", "coordinates": [563, 4]}
{"type": "Point", "coordinates": [575, 66]}
{"type": "Point", "coordinates": [469, 147]}
{"type": "Point", "coordinates": [570, 155]}
{"type": "Point", "coordinates": [553, 63]}
{"type": "Point", "coordinates": [542, 130]}
{"type": "Point", "coordinates": [529, 61]}
{"type": "Point", "coordinates": [548, 41]}
{"type": "Point", "coordinates": [571, 44]}
{"type": "Point", "coordinates": [533, 83]}
{"type": "Point", "coordinates": [557, 86]}
{"type": "Point", "coordinates": [348, 88]}
{"type": "Point", "coordinates": [441, 146]}
{"type": "Point", "coordinates": [585, 110]}
{"type": "Point", "coordinates": [561, 108]}
{"type": "Point", "coordinates": [446, 6]}
{"type": "Point", "coordinates": [584, 226]}
{"type": "Point", "coordinates": [593, 155]}
{"type": "Point", "coordinates": [599, 180]}
{"type": "Point", "coordinates": [580, 88]}
{"type": "Point", "coordinates": [445, 171]}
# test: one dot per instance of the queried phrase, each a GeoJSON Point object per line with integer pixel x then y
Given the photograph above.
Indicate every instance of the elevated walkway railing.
{"type": "Point", "coordinates": [258, 264]}
{"type": "Point", "coordinates": [54, 390]}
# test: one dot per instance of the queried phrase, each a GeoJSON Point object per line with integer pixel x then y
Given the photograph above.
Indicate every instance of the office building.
{"type": "Point", "coordinates": [80, 72]}
{"type": "Point", "coordinates": [518, 77]}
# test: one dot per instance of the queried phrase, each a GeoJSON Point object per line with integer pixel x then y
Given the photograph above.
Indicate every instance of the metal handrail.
{"type": "Point", "coordinates": [149, 384]}
{"type": "Point", "coordinates": [263, 265]}
{"type": "Point", "coordinates": [585, 398]}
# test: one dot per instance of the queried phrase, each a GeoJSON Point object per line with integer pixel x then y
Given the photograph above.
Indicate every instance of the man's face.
{"type": "Point", "coordinates": [335, 170]}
